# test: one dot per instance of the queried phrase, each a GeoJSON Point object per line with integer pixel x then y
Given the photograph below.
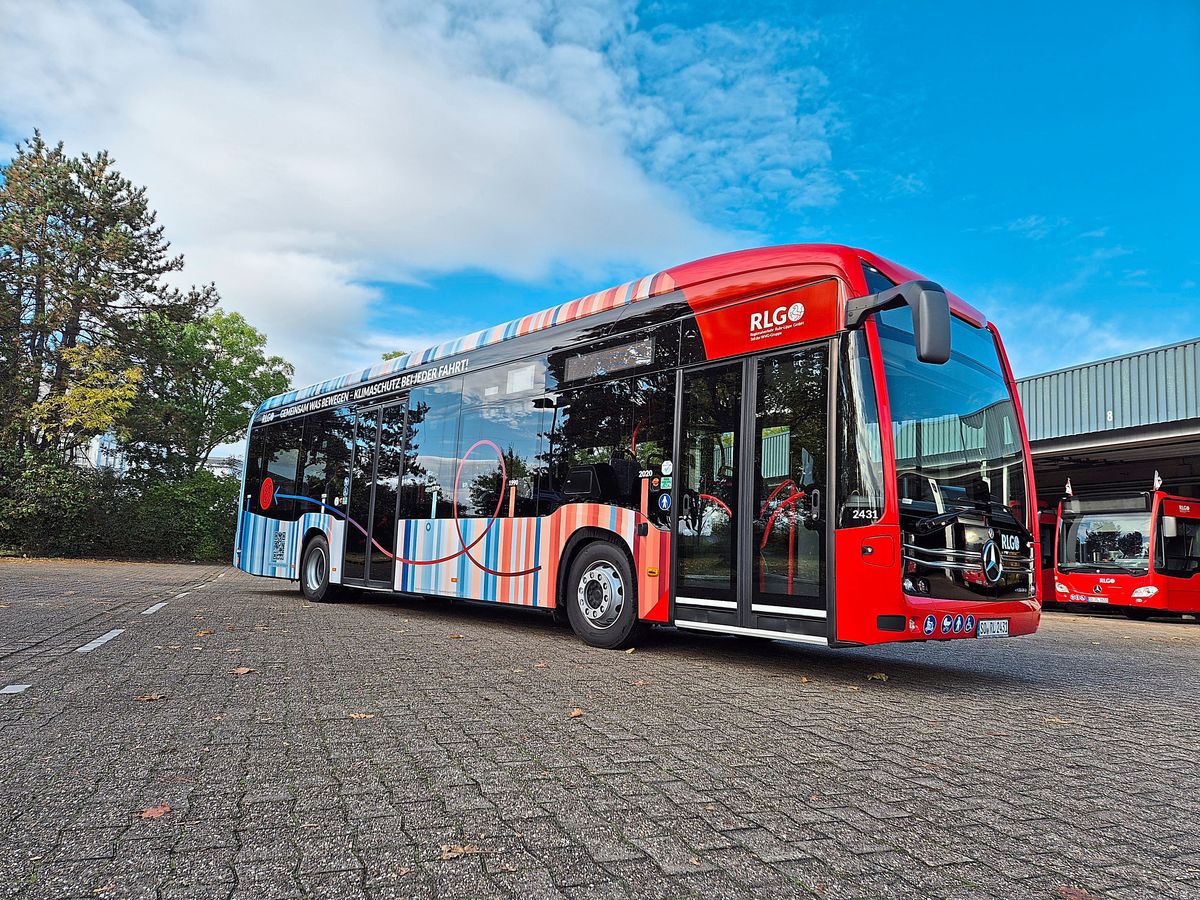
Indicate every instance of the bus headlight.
{"type": "Point", "coordinates": [1061, 588]}
{"type": "Point", "coordinates": [1143, 592]}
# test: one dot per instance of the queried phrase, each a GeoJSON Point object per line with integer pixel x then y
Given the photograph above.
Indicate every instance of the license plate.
{"type": "Point", "coordinates": [992, 628]}
{"type": "Point", "coordinates": [1097, 599]}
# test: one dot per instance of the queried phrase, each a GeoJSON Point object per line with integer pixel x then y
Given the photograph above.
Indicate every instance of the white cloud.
{"type": "Point", "coordinates": [1036, 227]}
{"type": "Point", "coordinates": [298, 150]}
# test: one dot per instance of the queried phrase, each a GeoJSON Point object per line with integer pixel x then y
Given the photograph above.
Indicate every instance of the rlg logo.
{"type": "Point", "coordinates": [777, 318]}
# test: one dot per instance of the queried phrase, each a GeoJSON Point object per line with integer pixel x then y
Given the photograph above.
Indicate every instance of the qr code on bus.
{"type": "Point", "coordinates": [279, 546]}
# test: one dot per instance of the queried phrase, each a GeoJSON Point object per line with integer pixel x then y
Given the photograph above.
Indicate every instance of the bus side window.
{"type": "Point", "coordinates": [254, 467]}
{"type": "Point", "coordinates": [512, 430]}
{"type": "Point", "coordinates": [430, 459]}
{"type": "Point", "coordinates": [860, 473]}
{"type": "Point", "coordinates": [325, 458]}
{"type": "Point", "coordinates": [282, 463]}
{"type": "Point", "coordinates": [611, 435]}
{"type": "Point", "coordinates": [1181, 553]}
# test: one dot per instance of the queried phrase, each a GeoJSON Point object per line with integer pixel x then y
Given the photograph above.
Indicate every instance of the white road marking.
{"type": "Point", "coordinates": [184, 594]}
{"type": "Point", "coordinates": [155, 608]}
{"type": "Point", "coordinates": [103, 639]}
{"type": "Point", "coordinates": [14, 688]}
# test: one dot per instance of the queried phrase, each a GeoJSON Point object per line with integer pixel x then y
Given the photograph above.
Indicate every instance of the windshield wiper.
{"type": "Point", "coordinates": [1074, 567]}
{"type": "Point", "coordinates": [930, 524]}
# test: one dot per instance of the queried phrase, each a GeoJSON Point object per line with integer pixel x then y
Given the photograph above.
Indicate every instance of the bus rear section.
{"type": "Point", "coordinates": [806, 443]}
{"type": "Point", "coordinates": [1138, 552]}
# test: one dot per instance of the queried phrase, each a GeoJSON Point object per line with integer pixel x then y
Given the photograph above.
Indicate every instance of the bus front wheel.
{"type": "Point", "coordinates": [314, 571]}
{"type": "Point", "coordinates": [600, 597]}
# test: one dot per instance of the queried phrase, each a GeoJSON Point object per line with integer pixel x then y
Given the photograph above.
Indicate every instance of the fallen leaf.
{"type": "Point", "coordinates": [631, 649]}
{"type": "Point", "coordinates": [242, 670]}
{"type": "Point", "coordinates": [877, 676]}
{"type": "Point", "coordinates": [456, 635]}
{"type": "Point", "coordinates": [454, 851]}
{"type": "Point", "coordinates": [814, 797]}
{"type": "Point", "coordinates": [804, 679]}
{"type": "Point", "coordinates": [402, 871]}
{"type": "Point", "coordinates": [1055, 720]}
{"type": "Point", "coordinates": [204, 632]}
{"type": "Point", "coordinates": [148, 698]}
{"type": "Point", "coordinates": [156, 812]}
{"type": "Point", "coordinates": [694, 861]}
{"type": "Point", "coordinates": [540, 664]}
{"type": "Point", "coordinates": [518, 671]}
{"type": "Point", "coordinates": [641, 682]}
{"type": "Point", "coordinates": [234, 650]}
{"type": "Point", "coordinates": [576, 713]}
{"type": "Point", "coordinates": [362, 715]}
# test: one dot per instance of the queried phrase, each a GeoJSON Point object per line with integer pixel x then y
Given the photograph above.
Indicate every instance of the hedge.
{"type": "Point", "coordinates": [48, 508]}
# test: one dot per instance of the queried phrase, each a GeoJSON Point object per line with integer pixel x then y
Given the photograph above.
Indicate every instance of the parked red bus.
{"type": "Point", "coordinates": [1136, 551]}
{"type": "Point", "coordinates": [808, 443]}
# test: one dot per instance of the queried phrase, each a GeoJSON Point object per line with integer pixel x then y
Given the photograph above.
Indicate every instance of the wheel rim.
{"type": "Point", "coordinates": [601, 595]}
{"type": "Point", "coordinates": [314, 570]}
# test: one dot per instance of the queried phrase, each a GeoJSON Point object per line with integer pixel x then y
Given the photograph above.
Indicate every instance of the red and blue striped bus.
{"type": "Point", "coordinates": [808, 443]}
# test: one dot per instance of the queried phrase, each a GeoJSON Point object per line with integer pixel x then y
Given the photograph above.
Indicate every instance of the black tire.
{"type": "Point", "coordinates": [314, 572]}
{"type": "Point", "coordinates": [1138, 615]}
{"type": "Point", "coordinates": [601, 597]}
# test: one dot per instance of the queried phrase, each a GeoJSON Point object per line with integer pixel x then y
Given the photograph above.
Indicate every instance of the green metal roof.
{"type": "Point", "coordinates": [1151, 387]}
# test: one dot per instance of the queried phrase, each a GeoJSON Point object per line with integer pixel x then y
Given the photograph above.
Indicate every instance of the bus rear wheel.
{"type": "Point", "coordinates": [314, 572]}
{"type": "Point", "coordinates": [600, 597]}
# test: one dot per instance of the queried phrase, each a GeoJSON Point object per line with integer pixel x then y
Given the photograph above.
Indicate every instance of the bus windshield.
{"type": "Point", "coordinates": [1105, 541]}
{"type": "Point", "coordinates": [957, 440]}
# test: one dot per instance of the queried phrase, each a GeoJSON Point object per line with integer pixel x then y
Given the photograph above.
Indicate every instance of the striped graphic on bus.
{"type": "Point", "coordinates": [521, 544]}
{"type": "Point", "coordinates": [601, 301]}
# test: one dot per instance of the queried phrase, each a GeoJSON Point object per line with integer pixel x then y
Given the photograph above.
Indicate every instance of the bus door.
{"type": "Point", "coordinates": [374, 494]}
{"type": "Point", "coordinates": [751, 523]}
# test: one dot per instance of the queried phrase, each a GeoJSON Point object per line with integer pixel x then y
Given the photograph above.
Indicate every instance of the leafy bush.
{"type": "Point", "coordinates": [49, 508]}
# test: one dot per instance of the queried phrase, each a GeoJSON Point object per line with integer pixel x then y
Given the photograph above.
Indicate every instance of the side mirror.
{"type": "Point", "coordinates": [1170, 526]}
{"type": "Point", "coordinates": [930, 314]}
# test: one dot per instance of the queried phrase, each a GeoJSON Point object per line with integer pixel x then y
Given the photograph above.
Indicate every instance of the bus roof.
{"type": "Point", "coordinates": [847, 259]}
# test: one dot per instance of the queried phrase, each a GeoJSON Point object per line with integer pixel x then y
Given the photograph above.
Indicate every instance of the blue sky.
{"type": "Point", "coordinates": [416, 171]}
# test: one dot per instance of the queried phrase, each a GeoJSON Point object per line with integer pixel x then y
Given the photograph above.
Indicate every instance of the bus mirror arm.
{"type": "Point", "coordinates": [930, 313]}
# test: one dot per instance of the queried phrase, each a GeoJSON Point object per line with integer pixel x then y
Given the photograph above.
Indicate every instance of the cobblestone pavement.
{"type": "Point", "coordinates": [416, 748]}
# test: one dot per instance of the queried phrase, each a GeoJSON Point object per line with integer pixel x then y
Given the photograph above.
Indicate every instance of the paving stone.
{"type": "Point", "coordinates": [702, 767]}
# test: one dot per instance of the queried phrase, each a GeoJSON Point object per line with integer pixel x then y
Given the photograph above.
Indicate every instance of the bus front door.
{"type": "Point", "coordinates": [374, 485]}
{"type": "Point", "coordinates": [750, 522]}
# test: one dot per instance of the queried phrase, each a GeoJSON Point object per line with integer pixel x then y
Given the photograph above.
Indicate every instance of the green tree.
{"type": "Point", "coordinates": [82, 262]}
{"type": "Point", "coordinates": [200, 382]}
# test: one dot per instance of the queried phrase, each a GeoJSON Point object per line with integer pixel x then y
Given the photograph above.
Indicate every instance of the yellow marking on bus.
{"type": "Point", "coordinates": [653, 573]}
